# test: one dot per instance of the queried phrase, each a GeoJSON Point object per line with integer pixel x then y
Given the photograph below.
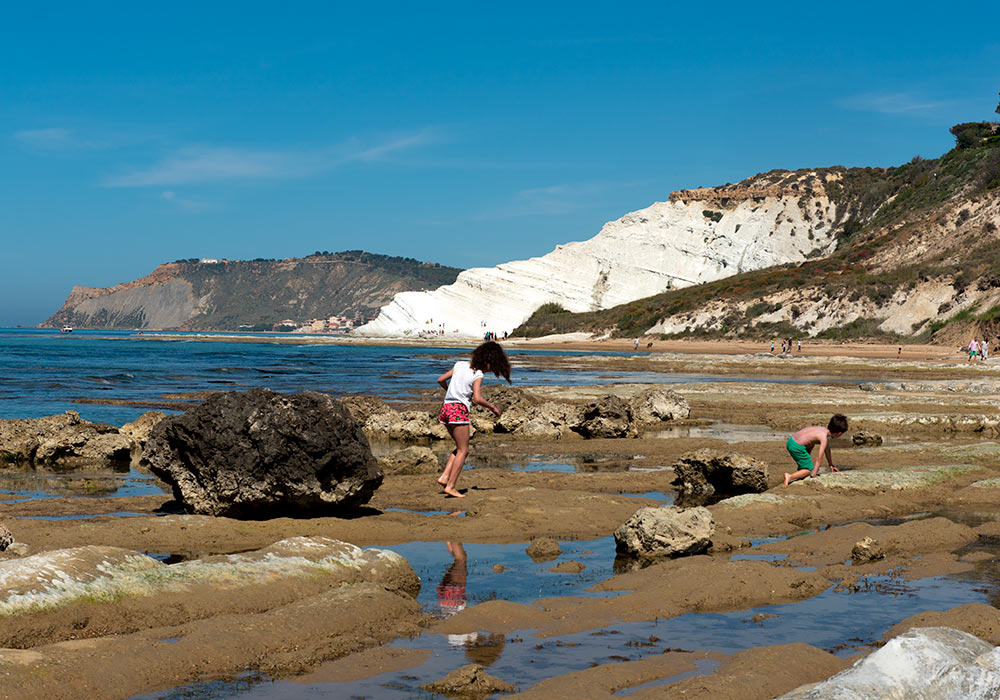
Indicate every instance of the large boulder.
{"type": "Point", "coordinates": [64, 440]}
{"type": "Point", "coordinates": [259, 454]}
{"type": "Point", "coordinates": [656, 404]}
{"type": "Point", "coordinates": [926, 663]}
{"type": "Point", "coordinates": [607, 417]}
{"type": "Point", "coordinates": [706, 472]}
{"type": "Point", "coordinates": [665, 532]}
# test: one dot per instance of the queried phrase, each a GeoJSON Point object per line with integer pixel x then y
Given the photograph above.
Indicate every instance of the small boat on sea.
{"type": "Point", "coordinates": [66, 329]}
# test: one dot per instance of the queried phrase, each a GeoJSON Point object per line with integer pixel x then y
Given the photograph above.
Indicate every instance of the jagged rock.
{"type": "Point", "coordinates": [705, 472]}
{"type": "Point", "coordinates": [499, 568]}
{"type": "Point", "coordinates": [655, 404]}
{"type": "Point", "coordinates": [925, 663]}
{"type": "Point", "coordinates": [6, 539]}
{"type": "Point", "coordinates": [867, 550]}
{"type": "Point", "coordinates": [665, 532]}
{"type": "Point", "coordinates": [469, 681]}
{"type": "Point", "coordinates": [607, 417]}
{"type": "Point", "coordinates": [541, 420]}
{"type": "Point", "coordinates": [63, 440]}
{"type": "Point", "coordinates": [514, 404]}
{"type": "Point", "coordinates": [543, 549]}
{"type": "Point", "coordinates": [259, 454]}
{"type": "Point", "coordinates": [139, 429]}
{"type": "Point", "coordinates": [568, 567]}
{"type": "Point", "coordinates": [415, 459]}
{"type": "Point", "coordinates": [866, 438]}
{"type": "Point", "coordinates": [362, 406]}
{"type": "Point", "coordinates": [405, 425]}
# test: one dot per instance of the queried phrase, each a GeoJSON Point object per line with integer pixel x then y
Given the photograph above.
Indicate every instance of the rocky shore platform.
{"type": "Point", "coordinates": [111, 597]}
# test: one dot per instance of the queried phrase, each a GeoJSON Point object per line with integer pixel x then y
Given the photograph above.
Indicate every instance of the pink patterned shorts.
{"type": "Point", "coordinates": [454, 414]}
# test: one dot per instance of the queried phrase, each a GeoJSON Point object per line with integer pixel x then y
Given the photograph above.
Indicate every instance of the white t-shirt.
{"type": "Point", "coordinates": [460, 386]}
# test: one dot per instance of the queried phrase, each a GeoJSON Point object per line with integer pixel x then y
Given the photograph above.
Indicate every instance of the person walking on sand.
{"type": "Point", "coordinates": [463, 384]}
{"type": "Point", "coordinates": [984, 349]}
{"type": "Point", "coordinates": [772, 346]}
{"type": "Point", "coordinates": [973, 350]}
{"type": "Point", "coordinates": [801, 443]}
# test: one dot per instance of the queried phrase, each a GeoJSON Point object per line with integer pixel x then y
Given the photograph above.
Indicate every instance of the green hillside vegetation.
{"type": "Point", "coordinates": [350, 283]}
{"type": "Point", "coordinates": [868, 200]}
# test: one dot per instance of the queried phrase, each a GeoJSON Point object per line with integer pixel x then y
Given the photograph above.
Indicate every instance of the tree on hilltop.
{"type": "Point", "coordinates": [998, 105]}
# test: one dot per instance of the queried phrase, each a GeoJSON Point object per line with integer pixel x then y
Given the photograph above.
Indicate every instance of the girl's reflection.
{"type": "Point", "coordinates": [451, 590]}
{"type": "Point", "coordinates": [452, 598]}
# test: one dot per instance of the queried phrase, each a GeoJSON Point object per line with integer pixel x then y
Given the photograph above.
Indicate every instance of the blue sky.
{"type": "Point", "coordinates": [133, 134]}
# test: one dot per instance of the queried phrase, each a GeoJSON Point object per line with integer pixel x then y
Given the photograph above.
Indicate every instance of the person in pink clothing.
{"type": "Point", "coordinates": [463, 384]}
{"type": "Point", "coordinates": [973, 350]}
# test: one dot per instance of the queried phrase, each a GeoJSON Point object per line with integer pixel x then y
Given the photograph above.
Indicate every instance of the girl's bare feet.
{"type": "Point", "coordinates": [451, 491]}
{"type": "Point", "coordinates": [785, 485]}
{"type": "Point", "coordinates": [442, 480]}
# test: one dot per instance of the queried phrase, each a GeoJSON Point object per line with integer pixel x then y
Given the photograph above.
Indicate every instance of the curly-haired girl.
{"type": "Point", "coordinates": [463, 383]}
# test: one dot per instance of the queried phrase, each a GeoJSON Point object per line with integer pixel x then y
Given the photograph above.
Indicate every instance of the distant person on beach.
{"type": "Point", "coordinates": [801, 443]}
{"type": "Point", "coordinates": [899, 352]}
{"type": "Point", "coordinates": [984, 349]}
{"type": "Point", "coordinates": [973, 350]}
{"type": "Point", "coordinates": [800, 345]}
{"type": "Point", "coordinates": [463, 384]}
{"type": "Point", "coordinates": [772, 347]}
{"type": "Point", "coordinates": [637, 342]}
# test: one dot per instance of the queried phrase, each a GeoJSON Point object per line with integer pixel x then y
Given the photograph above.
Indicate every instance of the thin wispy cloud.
{"type": "Point", "coordinates": [180, 202]}
{"type": "Point", "coordinates": [203, 164]}
{"type": "Point", "coordinates": [892, 103]}
{"type": "Point", "coordinates": [51, 139]}
{"type": "Point", "coordinates": [552, 200]}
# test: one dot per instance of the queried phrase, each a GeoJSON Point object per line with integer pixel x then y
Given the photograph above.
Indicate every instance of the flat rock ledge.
{"type": "Point", "coordinates": [898, 479]}
{"type": "Point", "coordinates": [926, 663]}
{"type": "Point", "coordinates": [101, 574]}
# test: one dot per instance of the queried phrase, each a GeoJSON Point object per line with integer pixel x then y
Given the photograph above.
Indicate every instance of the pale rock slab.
{"type": "Point", "coordinates": [926, 663]}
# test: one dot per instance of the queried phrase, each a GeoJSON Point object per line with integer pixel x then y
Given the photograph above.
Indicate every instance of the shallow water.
{"type": "Point", "coordinates": [36, 484]}
{"type": "Point", "coordinates": [842, 623]}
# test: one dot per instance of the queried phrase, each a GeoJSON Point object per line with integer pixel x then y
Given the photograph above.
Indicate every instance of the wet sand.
{"type": "Point", "coordinates": [932, 436]}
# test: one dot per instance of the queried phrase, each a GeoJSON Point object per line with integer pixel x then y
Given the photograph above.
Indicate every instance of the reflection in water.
{"type": "Point", "coordinates": [452, 599]}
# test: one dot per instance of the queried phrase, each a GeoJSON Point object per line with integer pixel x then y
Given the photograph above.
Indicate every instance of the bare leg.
{"type": "Point", "coordinates": [443, 479]}
{"type": "Point", "coordinates": [460, 434]}
{"type": "Point", "coordinates": [794, 476]}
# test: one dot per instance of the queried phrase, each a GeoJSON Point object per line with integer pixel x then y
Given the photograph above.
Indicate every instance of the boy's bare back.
{"type": "Point", "coordinates": [811, 435]}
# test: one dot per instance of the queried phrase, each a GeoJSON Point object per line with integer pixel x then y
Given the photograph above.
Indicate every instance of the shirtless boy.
{"type": "Point", "coordinates": [801, 443]}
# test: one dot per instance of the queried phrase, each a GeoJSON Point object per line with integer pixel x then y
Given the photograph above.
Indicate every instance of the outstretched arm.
{"type": "Point", "coordinates": [824, 449]}
{"type": "Point", "coordinates": [477, 397]}
{"type": "Point", "coordinates": [443, 379]}
{"type": "Point", "coordinates": [829, 458]}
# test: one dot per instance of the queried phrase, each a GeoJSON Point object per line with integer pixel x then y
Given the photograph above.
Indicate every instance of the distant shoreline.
{"type": "Point", "coordinates": [574, 343]}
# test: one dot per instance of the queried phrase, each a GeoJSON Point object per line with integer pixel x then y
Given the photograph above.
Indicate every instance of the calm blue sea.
{"type": "Point", "coordinates": [43, 372]}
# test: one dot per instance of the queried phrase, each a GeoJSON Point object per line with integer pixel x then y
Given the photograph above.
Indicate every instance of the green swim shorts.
{"type": "Point", "coordinates": [800, 454]}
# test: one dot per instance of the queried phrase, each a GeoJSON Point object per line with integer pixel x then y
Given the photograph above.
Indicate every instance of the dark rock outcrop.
{"type": "Point", "coordinates": [470, 681]}
{"type": "Point", "coordinates": [866, 438]}
{"type": "Point", "coordinates": [259, 454]}
{"type": "Point", "coordinates": [607, 417]}
{"type": "Point", "coordinates": [543, 549]}
{"type": "Point", "coordinates": [6, 539]}
{"type": "Point", "coordinates": [704, 473]}
{"type": "Point", "coordinates": [64, 440]}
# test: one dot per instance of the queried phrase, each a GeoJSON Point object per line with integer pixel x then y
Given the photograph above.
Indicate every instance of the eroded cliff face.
{"type": "Point", "coordinates": [189, 295]}
{"type": "Point", "coordinates": [696, 236]}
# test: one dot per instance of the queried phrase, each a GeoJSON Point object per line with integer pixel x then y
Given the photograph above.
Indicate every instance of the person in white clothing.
{"type": "Point", "coordinates": [463, 383]}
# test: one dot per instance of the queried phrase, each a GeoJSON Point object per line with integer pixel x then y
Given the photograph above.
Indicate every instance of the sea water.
{"type": "Point", "coordinates": [113, 376]}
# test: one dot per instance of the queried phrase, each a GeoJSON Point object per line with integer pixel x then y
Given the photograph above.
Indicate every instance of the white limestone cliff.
{"type": "Point", "coordinates": [696, 236]}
